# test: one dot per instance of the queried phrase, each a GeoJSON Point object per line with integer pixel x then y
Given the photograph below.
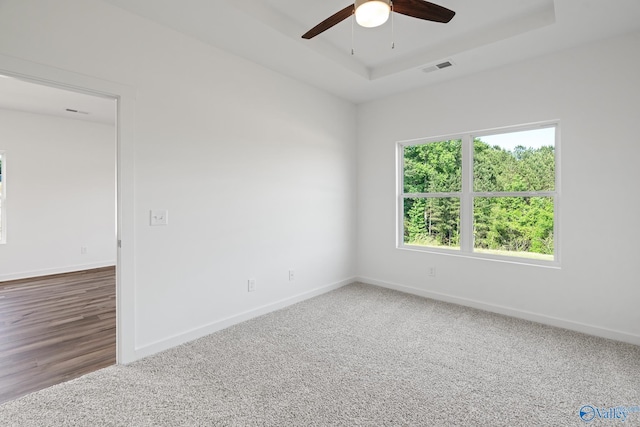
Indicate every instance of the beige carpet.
{"type": "Point", "coordinates": [359, 356]}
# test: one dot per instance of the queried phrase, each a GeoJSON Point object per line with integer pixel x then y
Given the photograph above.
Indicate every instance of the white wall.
{"type": "Point", "coordinates": [61, 195]}
{"type": "Point", "coordinates": [255, 169]}
{"type": "Point", "coordinates": [594, 91]}
{"type": "Point", "coordinates": [257, 172]}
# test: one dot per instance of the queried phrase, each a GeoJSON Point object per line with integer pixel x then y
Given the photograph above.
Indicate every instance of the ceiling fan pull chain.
{"type": "Point", "coordinates": [353, 19]}
{"type": "Point", "coordinates": [393, 32]}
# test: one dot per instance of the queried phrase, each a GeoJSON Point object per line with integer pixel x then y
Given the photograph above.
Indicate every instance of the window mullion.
{"type": "Point", "coordinates": [466, 199]}
{"type": "Point", "coordinates": [400, 196]}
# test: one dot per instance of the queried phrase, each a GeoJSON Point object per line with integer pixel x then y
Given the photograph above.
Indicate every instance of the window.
{"type": "Point", "coordinates": [490, 194]}
{"type": "Point", "coordinates": [2, 197]}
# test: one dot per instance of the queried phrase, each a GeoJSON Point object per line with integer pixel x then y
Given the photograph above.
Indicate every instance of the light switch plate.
{"type": "Point", "coordinates": [159, 217]}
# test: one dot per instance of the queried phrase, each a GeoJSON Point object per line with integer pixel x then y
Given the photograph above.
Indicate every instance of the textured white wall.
{"type": "Point", "coordinates": [61, 194]}
{"type": "Point", "coordinates": [596, 290]}
{"type": "Point", "coordinates": [255, 169]}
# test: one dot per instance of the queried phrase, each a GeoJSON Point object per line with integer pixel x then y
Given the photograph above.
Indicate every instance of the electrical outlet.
{"type": "Point", "coordinates": [431, 272]}
{"type": "Point", "coordinates": [83, 250]}
{"type": "Point", "coordinates": [292, 275]}
{"type": "Point", "coordinates": [251, 285]}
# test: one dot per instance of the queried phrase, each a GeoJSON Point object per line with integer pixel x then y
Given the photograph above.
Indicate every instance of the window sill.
{"type": "Point", "coordinates": [480, 256]}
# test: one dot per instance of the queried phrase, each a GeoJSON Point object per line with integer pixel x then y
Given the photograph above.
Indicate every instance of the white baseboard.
{"type": "Point", "coordinates": [507, 311]}
{"type": "Point", "coordinates": [56, 270]}
{"type": "Point", "coordinates": [199, 332]}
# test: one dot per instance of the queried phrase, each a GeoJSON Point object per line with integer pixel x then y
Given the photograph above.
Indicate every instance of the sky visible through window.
{"type": "Point", "coordinates": [534, 138]}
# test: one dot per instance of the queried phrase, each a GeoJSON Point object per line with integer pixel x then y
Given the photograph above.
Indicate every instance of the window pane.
{"type": "Point", "coordinates": [516, 161]}
{"type": "Point", "coordinates": [433, 222]}
{"type": "Point", "coordinates": [435, 167]}
{"type": "Point", "coordinates": [514, 226]}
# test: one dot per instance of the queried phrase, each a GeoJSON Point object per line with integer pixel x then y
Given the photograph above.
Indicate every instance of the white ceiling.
{"type": "Point", "coordinates": [29, 97]}
{"type": "Point", "coordinates": [483, 35]}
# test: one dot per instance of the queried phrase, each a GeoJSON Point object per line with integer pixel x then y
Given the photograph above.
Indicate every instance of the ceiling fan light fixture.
{"type": "Point", "coordinates": [372, 13]}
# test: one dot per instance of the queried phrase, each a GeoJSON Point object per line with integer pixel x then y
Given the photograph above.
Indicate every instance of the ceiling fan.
{"type": "Point", "coordinates": [372, 13]}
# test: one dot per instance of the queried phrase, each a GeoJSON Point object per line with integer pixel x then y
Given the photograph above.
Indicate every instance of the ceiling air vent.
{"type": "Point", "coordinates": [437, 67]}
{"type": "Point", "coordinates": [71, 110]}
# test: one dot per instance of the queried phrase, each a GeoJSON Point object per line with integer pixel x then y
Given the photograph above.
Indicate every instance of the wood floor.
{"type": "Point", "coordinates": [55, 328]}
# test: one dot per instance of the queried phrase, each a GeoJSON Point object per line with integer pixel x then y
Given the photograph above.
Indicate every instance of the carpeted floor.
{"type": "Point", "coordinates": [358, 356]}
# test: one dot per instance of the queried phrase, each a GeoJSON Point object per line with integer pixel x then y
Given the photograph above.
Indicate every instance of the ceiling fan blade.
{"type": "Point", "coordinates": [423, 10]}
{"type": "Point", "coordinates": [330, 22]}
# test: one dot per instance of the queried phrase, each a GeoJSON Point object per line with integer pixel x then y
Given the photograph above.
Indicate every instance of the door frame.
{"type": "Point", "coordinates": [125, 168]}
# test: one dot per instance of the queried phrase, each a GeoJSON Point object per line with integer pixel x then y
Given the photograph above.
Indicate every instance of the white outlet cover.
{"type": "Point", "coordinates": [158, 217]}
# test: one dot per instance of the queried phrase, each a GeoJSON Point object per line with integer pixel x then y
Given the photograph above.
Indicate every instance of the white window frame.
{"type": "Point", "coordinates": [467, 195]}
{"type": "Point", "coordinates": [3, 199]}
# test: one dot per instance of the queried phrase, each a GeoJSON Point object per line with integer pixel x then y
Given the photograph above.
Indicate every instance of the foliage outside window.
{"type": "Point", "coordinates": [2, 198]}
{"type": "Point", "coordinates": [491, 194]}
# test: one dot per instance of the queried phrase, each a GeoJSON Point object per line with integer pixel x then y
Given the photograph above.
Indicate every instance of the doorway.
{"type": "Point", "coordinates": [60, 228]}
